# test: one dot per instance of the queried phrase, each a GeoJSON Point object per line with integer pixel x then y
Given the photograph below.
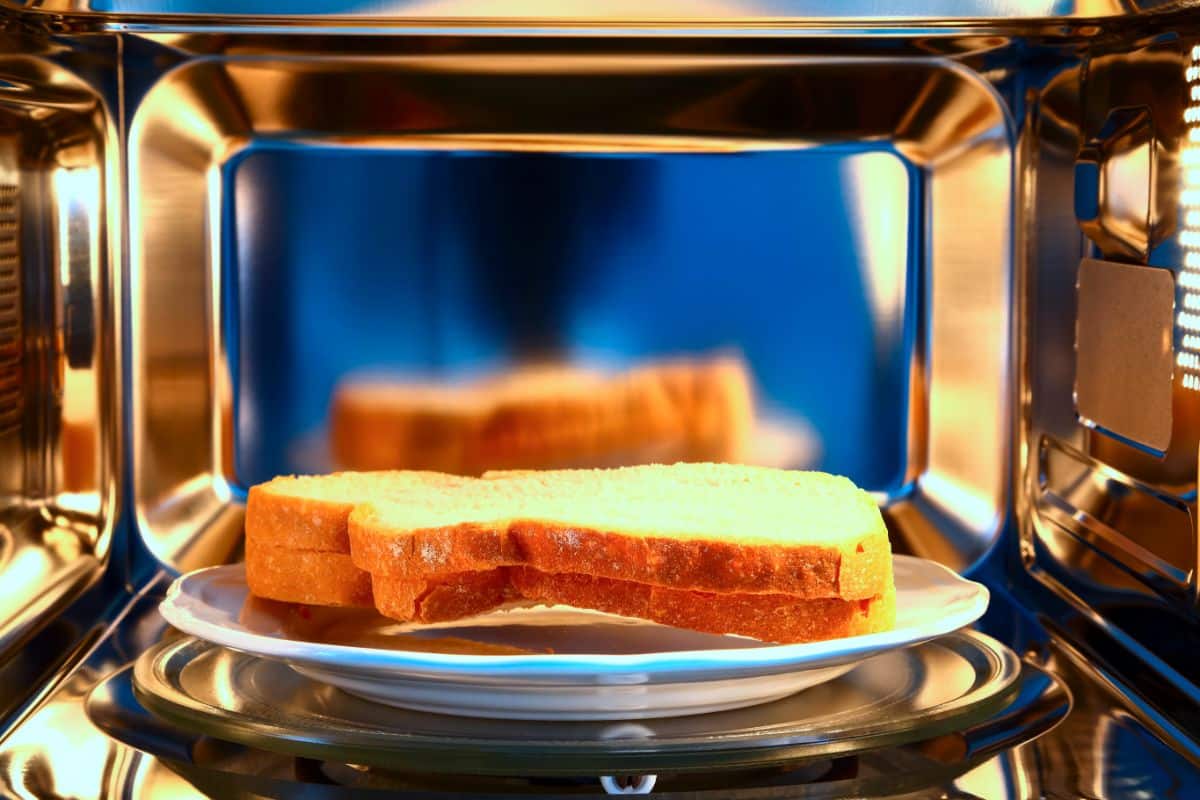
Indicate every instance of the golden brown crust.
{"type": "Point", "coordinates": [447, 598]}
{"type": "Point", "coordinates": [860, 571]}
{"type": "Point", "coordinates": [306, 576]}
{"type": "Point", "coordinates": [301, 523]}
{"type": "Point", "coordinates": [769, 617]}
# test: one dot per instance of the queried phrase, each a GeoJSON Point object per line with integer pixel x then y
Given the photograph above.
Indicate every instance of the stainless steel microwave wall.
{"type": "Point", "coordinates": [219, 134]}
{"type": "Point", "coordinates": [60, 375]}
{"type": "Point", "coordinates": [958, 245]}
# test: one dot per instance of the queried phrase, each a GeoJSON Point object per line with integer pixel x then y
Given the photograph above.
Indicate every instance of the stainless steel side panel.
{"type": "Point", "coordinates": [59, 361]}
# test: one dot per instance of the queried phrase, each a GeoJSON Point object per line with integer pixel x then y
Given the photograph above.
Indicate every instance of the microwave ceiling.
{"type": "Point", "coordinates": [622, 12]}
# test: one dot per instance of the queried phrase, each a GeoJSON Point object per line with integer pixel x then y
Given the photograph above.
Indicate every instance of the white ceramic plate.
{"type": "Point", "coordinates": [599, 666]}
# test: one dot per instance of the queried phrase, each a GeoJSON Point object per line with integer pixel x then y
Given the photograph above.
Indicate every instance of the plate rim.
{"type": "Point", "coordinates": [814, 654]}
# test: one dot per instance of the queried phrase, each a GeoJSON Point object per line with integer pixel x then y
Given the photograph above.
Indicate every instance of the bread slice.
{"type": "Point", "coordinates": [310, 512]}
{"type": "Point", "coordinates": [769, 617]}
{"type": "Point", "coordinates": [701, 527]}
{"type": "Point", "coordinates": [311, 577]}
{"type": "Point", "coordinates": [547, 417]}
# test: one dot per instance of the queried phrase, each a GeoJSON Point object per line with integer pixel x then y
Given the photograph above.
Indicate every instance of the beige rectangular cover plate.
{"type": "Point", "coordinates": [1124, 351]}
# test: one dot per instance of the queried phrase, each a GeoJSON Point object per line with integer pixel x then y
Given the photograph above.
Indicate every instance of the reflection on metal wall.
{"type": "Point", "coordinates": [462, 214]}
{"type": "Point", "coordinates": [426, 263]}
{"type": "Point", "coordinates": [57, 377]}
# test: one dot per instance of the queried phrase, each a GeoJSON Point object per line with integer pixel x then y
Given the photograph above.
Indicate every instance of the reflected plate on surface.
{"type": "Point", "coordinates": [552, 662]}
{"type": "Point", "coordinates": [897, 697]}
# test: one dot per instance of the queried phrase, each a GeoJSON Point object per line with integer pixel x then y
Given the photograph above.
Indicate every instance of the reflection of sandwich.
{"type": "Point", "coordinates": [777, 555]}
{"type": "Point", "coordinates": [545, 418]}
{"type": "Point", "coordinates": [80, 432]}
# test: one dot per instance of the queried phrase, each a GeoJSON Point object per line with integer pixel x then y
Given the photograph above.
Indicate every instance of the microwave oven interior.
{"type": "Point", "coordinates": [957, 250]}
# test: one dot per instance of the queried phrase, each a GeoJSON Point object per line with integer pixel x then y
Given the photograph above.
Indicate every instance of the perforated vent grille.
{"type": "Point", "coordinates": [10, 311]}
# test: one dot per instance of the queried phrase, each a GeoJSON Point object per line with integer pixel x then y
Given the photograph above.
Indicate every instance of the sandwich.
{"type": "Point", "coordinates": [777, 555]}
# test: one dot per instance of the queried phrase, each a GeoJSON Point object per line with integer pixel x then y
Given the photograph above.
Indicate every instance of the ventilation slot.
{"type": "Point", "coordinates": [10, 312]}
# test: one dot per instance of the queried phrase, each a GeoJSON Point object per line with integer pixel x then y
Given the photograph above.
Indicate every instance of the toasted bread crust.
{"type": "Point", "coordinates": [306, 576]}
{"type": "Point", "coordinates": [860, 571]}
{"type": "Point", "coordinates": [299, 523]}
{"type": "Point", "coordinates": [769, 617]}
{"type": "Point", "coordinates": [445, 598]}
